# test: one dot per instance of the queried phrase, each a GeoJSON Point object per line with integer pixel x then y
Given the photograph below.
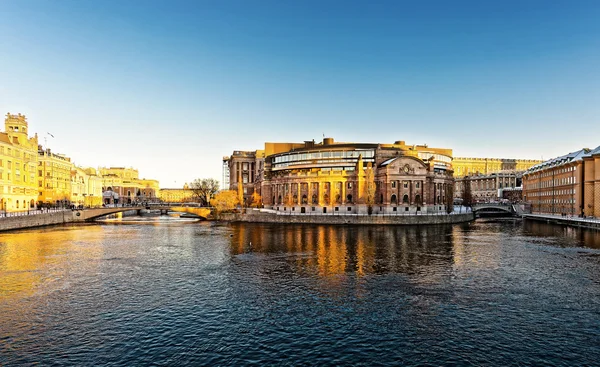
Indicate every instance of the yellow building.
{"type": "Point", "coordinates": [18, 160]}
{"type": "Point", "coordinates": [54, 178]}
{"type": "Point", "coordinates": [183, 195]}
{"type": "Point", "coordinates": [86, 187]}
{"type": "Point", "coordinates": [123, 185]}
{"type": "Point", "coordinates": [485, 166]}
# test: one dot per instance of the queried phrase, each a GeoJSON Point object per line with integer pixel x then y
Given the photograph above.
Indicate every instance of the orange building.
{"type": "Point", "coordinates": [569, 184]}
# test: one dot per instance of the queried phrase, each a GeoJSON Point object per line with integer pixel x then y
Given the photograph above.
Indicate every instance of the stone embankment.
{"type": "Point", "coordinates": [270, 217]}
{"type": "Point", "coordinates": [593, 223]}
{"type": "Point", "coordinates": [16, 221]}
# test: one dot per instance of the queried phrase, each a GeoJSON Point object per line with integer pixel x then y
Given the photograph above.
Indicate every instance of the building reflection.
{"type": "Point", "coordinates": [31, 259]}
{"type": "Point", "coordinates": [563, 235]}
{"type": "Point", "coordinates": [360, 250]}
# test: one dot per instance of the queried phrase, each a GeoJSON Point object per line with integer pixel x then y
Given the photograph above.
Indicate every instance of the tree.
{"type": "Point", "coordinates": [256, 200]}
{"type": "Point", "coordinates": [369, 188]}
{"type": "Point", "coordinates": [204, 189]}
{"type": "Point", "coordinates": [225, 201]}
{"type": "Point", "coordinates": [467, 196]}
{"type": "Point", "coordinates": [449, 199]}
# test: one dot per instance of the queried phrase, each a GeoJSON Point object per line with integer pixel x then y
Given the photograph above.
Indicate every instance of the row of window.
{"type": "Point", "coordinates": [294, 157]}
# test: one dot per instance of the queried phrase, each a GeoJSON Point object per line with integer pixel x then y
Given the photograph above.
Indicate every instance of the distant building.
{"type": "Point", "coordinates": [485, 166]}
{"type": "Point", "coordinates": [334, 177]}
{"type": "Point", "coordinates": [489, 187]}
{"type": "Point", "coordinates": [54, 175]}
{"type": "Point", "coordinates": [122, 185]}
{"type": "Point", "coordinates": [171, 195]}
{"type": "Point", "coordinates": [569, 184]}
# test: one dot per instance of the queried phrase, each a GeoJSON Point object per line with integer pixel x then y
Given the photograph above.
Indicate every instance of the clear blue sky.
{"type": "Point", "coordinates": [169, 87]}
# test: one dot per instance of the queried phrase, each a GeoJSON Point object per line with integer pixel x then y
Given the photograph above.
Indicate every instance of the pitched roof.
{"type": "Point", "coordinates": [558, 161]}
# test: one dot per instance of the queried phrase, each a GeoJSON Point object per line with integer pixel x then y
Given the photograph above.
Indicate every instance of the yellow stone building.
{"type": "Point", "coordinates": [86, 187]}
{"type": "Point", "coordinates": [54, 178]}
{"type": "Point", "coordinates": [183, 195]}
{"type": "Point", "coordinates": [18, 161]}
{"type": "Point", "coordinates": [122, 185]}
{"type": "Point", "coordinates": [485, 166]}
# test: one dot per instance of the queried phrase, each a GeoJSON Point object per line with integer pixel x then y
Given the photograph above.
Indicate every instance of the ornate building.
{"type": "Point", "coordinates": [569, 184]}
{"type": "Point", "coordinates": [485, 166]}
{"type": "Point", "coordinates": [331, 177]}
{"type": "Point", "coordinates": [54, 176]}
{"type": "Point", "coordinates": [18, 162]}
{"type": "Point", "coordinates": [183, 195]}
{"type": "Point", "coordinates": [490, 187]}
{"type": "Point", "coordinates": [86, 187]}
{"type": "Point", "coordinates": [122, 185]}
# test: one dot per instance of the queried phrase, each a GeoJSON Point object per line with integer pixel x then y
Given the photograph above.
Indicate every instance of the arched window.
{"type": "Point", "coordinates": [405, 199]}
{"type": "Point", "coordinates": [274, 202]}
{"type": "Point", "coordinates": [32, 204]}
{"type": "Point", "coordinates": [418, 199]}
{"type": "Point", "coordinates": [338, 198]}
{"type": "Point", "coordinates": [326, 199]}
{"type": "Point", "coordinates": [279, 199]}
{"type": "Point", "coordinates": [295, 198]}
{"type": "Point", "coordinates": [349, 198]}
{"type": "Point", "coordinates": [381, 199]}
{"type": "Point", "coordinates": [394, 200]}
{"type": "Point", "coordinates": [315, 200]}
{"type": "Point", "coordinates": [304, 199]}
{"type": "Point", "coordinates": [17, 204]}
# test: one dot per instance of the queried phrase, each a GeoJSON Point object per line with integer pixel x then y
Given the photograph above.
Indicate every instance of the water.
{"type": "Point", "coordinates": [171, 292]}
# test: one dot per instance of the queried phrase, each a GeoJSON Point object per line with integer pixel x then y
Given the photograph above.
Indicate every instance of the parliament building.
{"type": "Point", "coordinates": [354, 178]}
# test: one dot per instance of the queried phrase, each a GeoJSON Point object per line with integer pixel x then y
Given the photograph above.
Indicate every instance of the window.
{"type": "Point", "coordinates": [405, 184]}
{"type": "Point", "coordinates": [393, 184]}
{"type": "Point", "coordinates": [418, 185]}
{"type": "Point", "coordinates": [349, 185]}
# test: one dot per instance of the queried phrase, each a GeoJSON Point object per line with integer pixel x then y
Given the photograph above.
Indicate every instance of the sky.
{"type": "Point", "coordinates": [170, 87]}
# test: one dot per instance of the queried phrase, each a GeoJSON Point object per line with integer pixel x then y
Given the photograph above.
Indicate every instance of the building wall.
{"type": "Point", "coordinates": [565, 185]}
{"type": "Point", "coordinates": [334, 177]}
{"type": "Point", "coordinates": [484, 166]}
{"type": "Point", "coordinates": [54, 178]}
{"type": "Point", "coordinates": [18, 162]}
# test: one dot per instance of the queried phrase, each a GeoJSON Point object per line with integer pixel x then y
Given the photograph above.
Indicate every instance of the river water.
{"type": "Point", "coordinates": [173, 292]}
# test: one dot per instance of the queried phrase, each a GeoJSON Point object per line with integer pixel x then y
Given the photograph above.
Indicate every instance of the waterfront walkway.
{"type": "Point", "coordinates": [590, 222]}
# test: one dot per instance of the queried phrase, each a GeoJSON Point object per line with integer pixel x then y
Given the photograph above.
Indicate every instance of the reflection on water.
{"type": "Point", "coordinates": [174, 292]}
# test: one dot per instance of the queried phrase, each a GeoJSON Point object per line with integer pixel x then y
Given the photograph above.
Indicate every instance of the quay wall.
{"type": "Point", "coordinates": [350, 219]}
{"type": "Point", "coordinates": [36, 220]}
{"type": "Point", "coordinates": [573, 221]}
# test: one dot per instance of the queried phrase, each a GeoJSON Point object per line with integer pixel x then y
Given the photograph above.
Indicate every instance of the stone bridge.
{"type": "Point", "coordinates": [492, 208]}
{"type": "Point", "coordinates": [83, 215]}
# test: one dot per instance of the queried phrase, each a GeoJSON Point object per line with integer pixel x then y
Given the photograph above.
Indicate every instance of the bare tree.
{"type": "Point", "coordinates": [204, 189]}
{"type": "Point", "coordinates": [467, 196]}
{"type": "Point", "coordinates": [449, 199]}
{"type": "Point", "coordinates": [370, 188]}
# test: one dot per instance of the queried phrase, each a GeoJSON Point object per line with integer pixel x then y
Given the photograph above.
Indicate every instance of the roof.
{"type": "Point", "coordinates": [559, 161]}
{"type": "Point", "coordinates": [388, 162]}
{"type": "Point", "coordinates": [593, 152]}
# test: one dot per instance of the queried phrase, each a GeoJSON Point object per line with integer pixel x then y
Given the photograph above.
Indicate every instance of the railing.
{"type": "Point", "coordinates": [4, 214]}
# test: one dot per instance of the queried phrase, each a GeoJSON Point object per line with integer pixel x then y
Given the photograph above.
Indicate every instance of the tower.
{"type": "Point", "coordinates": [16, 127]}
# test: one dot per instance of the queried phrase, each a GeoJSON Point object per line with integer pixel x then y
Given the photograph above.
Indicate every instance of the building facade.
{"type": "Point", "coordinates": [491, 187]}
{"type": "Point", "coordinates": [485, 166]}
{"type": "Point", "coordinates": [556, 186]}
{"type": "Point", "coordinates": [54, 178]}
{"type": "Point", "coordinates": [330, 177]}
{"type": "Point", "coordinates": [122, 185]}
{"type": "Point", "coordinates": [183, 195]}
{"type": "Point", "coordinates": [18, 162]}
{"type": "Point", "coordinates": [86, 187]}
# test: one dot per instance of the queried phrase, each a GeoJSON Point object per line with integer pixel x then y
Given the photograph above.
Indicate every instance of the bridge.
{"type": "Point", "coordinates": [495, 208]}
{"type": "Point", "coordinates": [88, 214]}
